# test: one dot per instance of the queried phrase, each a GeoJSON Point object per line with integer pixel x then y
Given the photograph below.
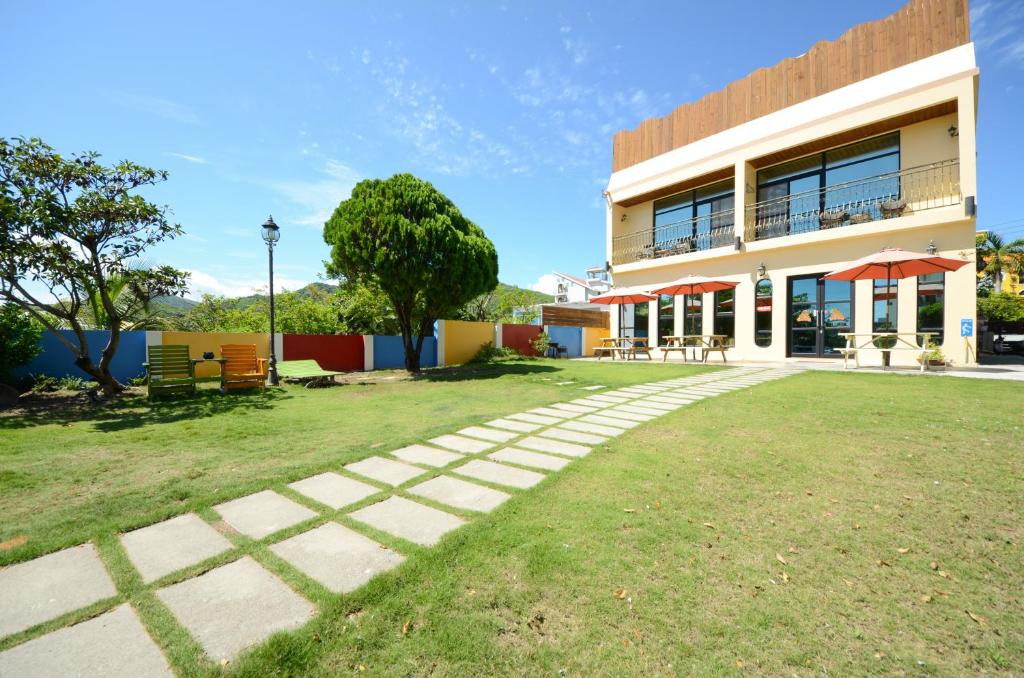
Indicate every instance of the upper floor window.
{"type": "Point", "coordinates": [694, 220]}
{"type": "Point", "coordinates": [798, 195]}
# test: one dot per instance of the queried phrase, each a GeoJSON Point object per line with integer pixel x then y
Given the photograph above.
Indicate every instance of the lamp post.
{"type": "Point", "coordinates": [271, 234]}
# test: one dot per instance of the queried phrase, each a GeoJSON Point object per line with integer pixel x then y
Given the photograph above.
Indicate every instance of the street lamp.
{"type": "Point", "coordinates": [271, 234]}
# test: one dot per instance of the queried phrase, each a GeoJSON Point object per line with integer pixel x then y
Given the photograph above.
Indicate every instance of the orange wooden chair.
{"type": "Point", "coordinates": [241, 368]}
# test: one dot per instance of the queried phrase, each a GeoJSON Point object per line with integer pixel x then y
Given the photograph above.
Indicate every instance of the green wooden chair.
{"type": "Point", "coordinates": [170, 370]}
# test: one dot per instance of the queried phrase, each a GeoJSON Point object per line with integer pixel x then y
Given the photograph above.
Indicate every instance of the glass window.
{"type": "Point", "coordinates": [931, 297]}
{"type": "Point", "coordinates": [763, 313]}
{"type": "Point", "coordinates": [694, 220]}
{"type": "Point", "coordinates": [666, 317]}
{"type": "Point", "coordinates": [693, 314]}
{"type": "Point", "coordinates": [884, 314]}
{"type": "Point", "coordinates": [641, 312]}
{"type": "Point", "coordinates": [725, 315]}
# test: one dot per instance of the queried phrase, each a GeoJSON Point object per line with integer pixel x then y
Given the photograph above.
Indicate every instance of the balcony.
{"type": "Point", "coordinates": [689, 235]}
{"type": "Point", "coordinates": [884, 196]}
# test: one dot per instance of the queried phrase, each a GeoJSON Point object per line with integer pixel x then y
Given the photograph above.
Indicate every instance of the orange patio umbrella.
{"type": "Point", "coordinates": [893, 263]}
{"type": "Point", "coordinates": [695, 284]}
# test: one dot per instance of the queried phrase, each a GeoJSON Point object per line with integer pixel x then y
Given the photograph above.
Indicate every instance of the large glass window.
{"type": "Point", "coordinates": [693, 314]}
{"type": "Point", "coordinates": [885, 308]}
{"type": "Point", "coordinates": [666, 317]}
{"type": "Point", "coordinates": [856, 179]}
{"type": "Point", "coordinates": [725, 315]}
{"type": "Point", "coordinates": [641, 312]}
{"type": "Point", "coordinates": [763, 313]}
{"type": "Point", "coordinates": [694, 220]}
{"type": "Point", "coordinates": [931, 299]}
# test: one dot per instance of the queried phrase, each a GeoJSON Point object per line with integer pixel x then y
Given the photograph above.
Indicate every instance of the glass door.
{"type": "Point", "coordinates": [819, 311]}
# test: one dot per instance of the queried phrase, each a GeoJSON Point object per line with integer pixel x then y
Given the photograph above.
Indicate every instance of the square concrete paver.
{"type": "Point", "coordinates": [640, 409]}
{"type": "Point", "coordinates": [332, 489]}
{"type": "Point", "coordinates": [588, 427]}
{"type": "Point", "coordinates": [387, 471]}
{"type": "Point", "coordinates": [553, 446]}
{"type": "Point", "coordinates": [263, 513]}
{"type": "Point", "coordinates": [337, 557]}
{"type": "Point", "coordinates": [517, 426]}
{"type": "Point", "coordinates": [553, 412]}
{"type": "Point", "coordinates": [599, 404]}
{"type": "Point", "coordinates": [578, 409]}
{"type": "Point", "coordinates": [527, 458]}
{"type": "Point", "coordinates": [169, 546]}
{"type": "Point", "coordinates": [234, 607]}
{"type": "Point", "coordinates": [602, 420]}
{"type": "Point", "coordinates": [657, 405]}
{"type": "Point", "coordinates": [427, 456]}
{"type": "Point", "coordinates": [534, 418]}
{"type": "Point", "coordinates": [484, 433]}
{"type": "Point", "coordinates": [460, 494]}
{"type": "Point", "coordinates": [49, 586]}
{"type": "Point", "coordinates": [112, 644]}
{"type": "Point", "coordinates": [671, 399]}
{"type": "Point", "coordinates": [409, 520]}
{"type": "Point", "coordinates": [593, 388]}
{"type": "Point", "coordinates": [461, 444]}
{"type": "Point", "coordinates": [568, 435]}
{"type": "Point", "coordinates": [499, 474]}
{"type": "Point", "coordinates": [609, 399]}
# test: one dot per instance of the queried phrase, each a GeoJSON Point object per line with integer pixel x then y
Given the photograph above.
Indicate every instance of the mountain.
{"type": "Point", "coordinates": [535, 296]}
{"type": "Point", "coordinates": [169, 306]}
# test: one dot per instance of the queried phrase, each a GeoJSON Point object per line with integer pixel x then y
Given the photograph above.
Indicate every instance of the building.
{"type": "Point", "coordinates": [570, 289]}
{"type": "Point", "coordinates": [859, 144]}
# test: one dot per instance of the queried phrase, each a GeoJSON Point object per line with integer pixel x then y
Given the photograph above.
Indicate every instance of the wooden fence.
{"type": "Point", "coordinates": [574, 317]}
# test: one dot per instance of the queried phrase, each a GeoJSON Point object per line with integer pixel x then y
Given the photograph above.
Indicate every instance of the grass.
{"type": "Point", "coordinates": [894, 501]}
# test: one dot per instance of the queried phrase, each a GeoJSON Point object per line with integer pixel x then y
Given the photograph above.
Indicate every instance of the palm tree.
{"type": "Point", "coordinates": [998, 258]}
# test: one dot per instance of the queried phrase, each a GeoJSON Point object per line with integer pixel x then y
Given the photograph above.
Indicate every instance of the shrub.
{"type": "Point", "coordinates": [540, 344]}
{"type": "Point", "coordinates": [47, 384]}
{"type": "Point", "coordinates": [19, 339]}
{"type": "Point", "coordinates": [488, 353]}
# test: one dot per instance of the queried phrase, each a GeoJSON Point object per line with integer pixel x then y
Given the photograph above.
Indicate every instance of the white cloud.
{"type": "Point", "coordinates": [163, 108]}
{"type": "Point", "coordinates": [547, 283]}
{"type": "Point", "coordinates": [201, 283]}
{"type": "Point", "coordinates": [195, 159]}
{"type": "Point", "coordinates": [997, 27]}
{"type": "Point", "coordinates": [318, 198]}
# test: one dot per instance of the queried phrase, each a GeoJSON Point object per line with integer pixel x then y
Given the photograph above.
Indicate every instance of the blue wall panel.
{"type": "Point", "coordinates": [570, 337]}
{"type": "Point", "coordinates": [388, 353]}
{"type": "Point", "coordinates": [57, 361]}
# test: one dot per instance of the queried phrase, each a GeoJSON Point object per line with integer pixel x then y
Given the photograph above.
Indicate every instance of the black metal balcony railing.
{"type": "Point", "coordinates": [679, 237]}
{"type": "Point", "coordinates": [884, 196]}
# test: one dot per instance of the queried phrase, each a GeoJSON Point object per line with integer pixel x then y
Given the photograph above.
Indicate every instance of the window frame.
{"type": "Point", "coordinates": [730, 337]}
{"type": "Point", "coordinates": [694, 205]}
{"type": "Point", "coordinates": [770, 312]}
{"type": "Point", "coordinates": [917, 316]}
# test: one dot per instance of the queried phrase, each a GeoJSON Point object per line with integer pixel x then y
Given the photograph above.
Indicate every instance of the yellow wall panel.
{"type": "Point", "coordinates": [200, 342]}
{"type": "Point", "coordinates": [592, 337]}
{"type": "Point", "coordinates": [463, 339]}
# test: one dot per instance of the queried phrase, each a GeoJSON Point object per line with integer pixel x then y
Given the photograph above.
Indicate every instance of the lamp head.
{"type": "Point", "coordinates": [271, 233]}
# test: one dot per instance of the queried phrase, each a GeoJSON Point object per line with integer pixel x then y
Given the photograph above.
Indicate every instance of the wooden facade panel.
{"type": "Point", "coordinates": [566, 316]}
{"type": "Point", "coordinates": [920, 29]}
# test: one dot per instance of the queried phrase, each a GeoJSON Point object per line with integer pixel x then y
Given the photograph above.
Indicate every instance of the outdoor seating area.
{"type": "Point", "coordinates": [886, 343]}
{"type": "Point", "coordinates": [706, 344]}
{"type": "Point", "coordinates": [624, 348]}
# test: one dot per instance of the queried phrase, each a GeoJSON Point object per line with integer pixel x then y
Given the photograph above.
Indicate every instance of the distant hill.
{"type": "Point", "coordinates": [168, 306]}
{"type": "Point", "coordinates": [537, 297]}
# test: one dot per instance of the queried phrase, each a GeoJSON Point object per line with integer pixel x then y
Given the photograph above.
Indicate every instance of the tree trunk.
{"type": "Point", "coordinates": [101, 372]}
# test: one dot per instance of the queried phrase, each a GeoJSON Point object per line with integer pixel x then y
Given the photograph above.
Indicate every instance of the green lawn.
{"type": "Point", "coordinates": [659, 553]}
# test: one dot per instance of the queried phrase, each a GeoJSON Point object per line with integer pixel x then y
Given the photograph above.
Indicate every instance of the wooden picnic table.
{"type": "Point", "coordinates": [918, 342]}
{"type": "Point", "coordinates": [625, 347]}
{"type": "Point", "coordinates": [707, 343]}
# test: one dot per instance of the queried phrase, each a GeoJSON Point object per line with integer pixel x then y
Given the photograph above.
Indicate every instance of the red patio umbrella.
{"type": "Point", "coordinates": [893, 263]}
{"type": "Point", "coordinates": [695, 284]}
{"type": "Point", "coordinates": [624, 295]}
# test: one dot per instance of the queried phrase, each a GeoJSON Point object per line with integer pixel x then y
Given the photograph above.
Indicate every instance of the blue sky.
{"type": "Point", "coordinates": [509, 108]}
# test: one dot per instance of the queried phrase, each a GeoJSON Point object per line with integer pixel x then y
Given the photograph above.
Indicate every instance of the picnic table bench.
{"type": "Point", "coordinates": [868, 341]}
{"type": "Point", "coordinates": [624, 347]}
{"type": "Point", "coordinates": [707, 343]}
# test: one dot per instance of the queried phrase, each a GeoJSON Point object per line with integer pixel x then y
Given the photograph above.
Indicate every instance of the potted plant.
{"type": "Point", "coordinates": [933, 358]}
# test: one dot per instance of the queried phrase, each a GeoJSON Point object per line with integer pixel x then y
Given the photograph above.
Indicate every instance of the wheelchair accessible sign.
{"type": "Point", "coordinates": [967, 327]}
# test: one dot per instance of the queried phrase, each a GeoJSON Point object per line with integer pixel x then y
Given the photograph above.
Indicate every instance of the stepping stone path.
{"type": "Point", "coordinates": [174, 544]}
{"type": "Point", "coordinates": [235, 606]}
{"type": "Point", "coordinates": [333, 490]}
{"type": "Point", "coordinates": [238, 605]}
{"type": "Point", "coordinates": [263, 513]}
{"type": "Point", "coordinates": [386, 471]}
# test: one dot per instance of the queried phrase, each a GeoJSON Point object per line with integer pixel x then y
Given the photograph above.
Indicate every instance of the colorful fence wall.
{"type": "Point", "coordinates": [56, 360]}
{"type": "Point", "coordinates": [460, 340]}
{"type": "Point", "coordinates": [337, 352]}
{"type": "Point", "coordinates": [519, 337]}
{"type": "Point", "coordinates": [201, 342]}
{"type": "Point", "coordinates": [388, 353]}
{"type": "Point", "coordinates": [592, 337]}
{"type": "Point", "coordinates": [570, 337]}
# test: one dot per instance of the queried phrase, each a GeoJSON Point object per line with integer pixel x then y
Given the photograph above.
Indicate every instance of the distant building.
{"type": "Point", "coordinates": [571, 289]}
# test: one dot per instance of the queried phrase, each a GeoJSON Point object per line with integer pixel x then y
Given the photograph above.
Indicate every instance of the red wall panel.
{"type": "Point", "coordinates": [519, 337]}
{"type": "Point", "coordinates": [337, 352]}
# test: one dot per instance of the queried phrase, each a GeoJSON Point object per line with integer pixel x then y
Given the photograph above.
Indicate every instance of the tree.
{"type": "Point", "coordinates": [71, 227]}
{"type": "Point", "coordinates": [407, 238]}
{"type": "Point", "coordinates": [365, 309]}
{"type": "Point", "coordinates": [503, 304]}
{"type": "Point", "coordinates": [1001, 309]}
{"type": "Point", "coordinates": [19, 339]}
{"type": "Point", "coordinates": [997, 258]}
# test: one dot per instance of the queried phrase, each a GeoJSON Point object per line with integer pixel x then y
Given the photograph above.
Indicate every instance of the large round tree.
{"type": "Point", "coordinates": [406, 237]}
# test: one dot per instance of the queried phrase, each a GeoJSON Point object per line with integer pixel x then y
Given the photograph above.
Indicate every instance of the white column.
{"type": "Point", "coordinates": [367, 352]}
{"type": "Point", "coordinates": [440, 343]}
